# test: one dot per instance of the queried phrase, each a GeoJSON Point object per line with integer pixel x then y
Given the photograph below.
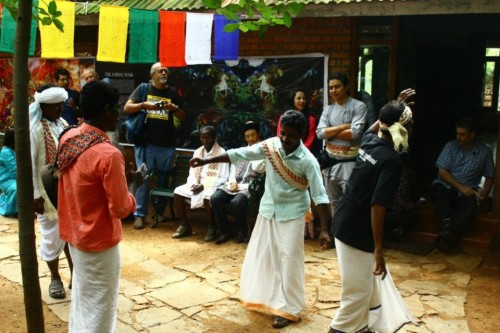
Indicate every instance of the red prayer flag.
{"type": "Point", "coordinates": [172, 39]}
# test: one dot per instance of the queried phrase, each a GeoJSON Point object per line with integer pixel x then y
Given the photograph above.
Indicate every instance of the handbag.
{"type": "Point", "coordinates": [50, 175]}
{"type": "Point", "coordinates": [50, 180]}
{"type": "Point", "coordinates": [324, 160]}
{"type": "Point", "coordinates": [256, 187]}
{"type": "Point", "coordinates": [135, 123]}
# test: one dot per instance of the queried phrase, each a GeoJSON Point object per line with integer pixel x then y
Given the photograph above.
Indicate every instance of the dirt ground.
{"type": "Point", "coordinates": [481, 307]}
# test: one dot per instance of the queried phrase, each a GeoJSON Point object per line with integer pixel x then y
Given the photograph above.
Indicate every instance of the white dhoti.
{"type": "Point", "coordinates": [272, 274]}
{"type": "Point", "coordinates": [196, 199]}
{"type": "Point", "coordinates": [94, 298]}
{"type": "Point", "coordinates": [51, 246]}
{"type": "Point", "coordinates": [366, 302]}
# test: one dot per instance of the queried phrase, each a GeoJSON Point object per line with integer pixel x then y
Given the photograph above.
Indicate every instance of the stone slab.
{"type": "Point", "coordinates": [188, 293]}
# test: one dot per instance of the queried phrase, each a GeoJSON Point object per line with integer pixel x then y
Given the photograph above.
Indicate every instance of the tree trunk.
{"type": "Point", "coordinates": [27, 245]}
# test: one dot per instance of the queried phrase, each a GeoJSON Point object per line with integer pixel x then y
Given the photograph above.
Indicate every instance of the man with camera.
{"type": "Point", "coordinates": [156, 148]}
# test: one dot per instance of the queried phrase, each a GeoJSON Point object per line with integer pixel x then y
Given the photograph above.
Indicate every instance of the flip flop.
{"type": "Point", "coordinates": [280, 322]}
{"type": "Point", "coordinates": [56, 289]}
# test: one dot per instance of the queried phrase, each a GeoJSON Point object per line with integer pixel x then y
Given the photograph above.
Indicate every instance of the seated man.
{"type": "Point", "coordinates": [235, 191]}
{"type": "Point", "coordinates": [462, 163]}
{"type": "Point", "coordinates": [201, 184]}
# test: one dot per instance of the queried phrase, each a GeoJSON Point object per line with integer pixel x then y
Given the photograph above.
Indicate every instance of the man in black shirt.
{"type": "Point", "coordinates": [163, 106]}
{"type": "Point", "coordinates": [360, 213]}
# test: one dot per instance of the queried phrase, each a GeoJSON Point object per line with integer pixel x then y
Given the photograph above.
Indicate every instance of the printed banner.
{"type": "Point", "coordinates": [198, 38]}
{"type": "Point", "coordinates": [172, 39]}
{"type": "Point", "coordinates": [41, 72]}
{"type": "Point", "coordinates": [8, 32]}
{"type": "Point", "coordinates": [226, 44]}
{"type": "Point", "coordinates": [113, 26]}
{"type": "Point", "coordinates": [57, 44]}
{"type": "Point", "coordinates": [143, 42]}
{"type": "Point", "coordinates": [228, 93]}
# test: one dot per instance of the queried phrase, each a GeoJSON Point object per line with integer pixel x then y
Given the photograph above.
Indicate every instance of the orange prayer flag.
{"type": "Point", "coordinates": [172, 39]}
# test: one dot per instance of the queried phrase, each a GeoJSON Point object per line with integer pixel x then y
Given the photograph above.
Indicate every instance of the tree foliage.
{"type": "Point", "coordinates": [46, 17]}
{"type": "Point", "coordinates": [255, 15]}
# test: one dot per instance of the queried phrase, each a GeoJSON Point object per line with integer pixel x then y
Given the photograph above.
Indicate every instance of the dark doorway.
{"type": "Point", "coordinates": [448, 84]}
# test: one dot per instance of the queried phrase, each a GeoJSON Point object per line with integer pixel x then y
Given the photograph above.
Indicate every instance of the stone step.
{"type": "Point", "coordinates": [484, 228]}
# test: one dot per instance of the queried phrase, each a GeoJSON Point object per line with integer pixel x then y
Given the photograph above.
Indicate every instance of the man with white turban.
{"type": "Point", "coordinates": [46, 125]}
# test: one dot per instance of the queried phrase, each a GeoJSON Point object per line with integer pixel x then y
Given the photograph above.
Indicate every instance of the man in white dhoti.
{"type": "Point", "coordinates": [201, 184]}
{"type": "Point", "coordinates": [46, 125]}
{"type": "Point", "coordinates": [272, 276]}
{"type": "Point", "coordinates": [359, 220]}
{"type": "Point", "coordinates": [93, 198]}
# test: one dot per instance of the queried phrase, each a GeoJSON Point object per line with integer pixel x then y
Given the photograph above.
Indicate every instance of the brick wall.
{"type": "Point", "coordinates": [331, 36]}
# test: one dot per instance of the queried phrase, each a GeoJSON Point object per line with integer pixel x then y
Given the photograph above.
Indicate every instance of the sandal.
{"type": "Point", "coordinates": [280, 322]}
{"type": "Point", "coordinates": [56, 289]}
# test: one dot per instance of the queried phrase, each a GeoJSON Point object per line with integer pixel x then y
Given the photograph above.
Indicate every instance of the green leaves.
{"type": "Point", "coordinates": [257, 16]}
{"type": "Point", "coordinates": [46, 17]}
{"type": "Point", "coordinates": [51, 17]}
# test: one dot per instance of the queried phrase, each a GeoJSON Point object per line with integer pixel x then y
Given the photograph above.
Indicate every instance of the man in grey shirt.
{"type": "Point", "coordinates": [341, 125]}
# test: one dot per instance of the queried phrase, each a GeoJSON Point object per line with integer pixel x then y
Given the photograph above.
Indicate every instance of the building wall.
{"type": "Point", "coordinates": [331, 36]}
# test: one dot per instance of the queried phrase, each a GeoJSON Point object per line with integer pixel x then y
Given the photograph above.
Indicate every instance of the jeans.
{"type": "Point", "coordinates": [238, 203]}
{"type": "Point", "coordinates": [156, 158]}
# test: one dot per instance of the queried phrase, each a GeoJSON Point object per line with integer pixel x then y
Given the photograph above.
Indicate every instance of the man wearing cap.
{"type": "Point", "coordinates": [235, 191]}
{"type": "Point", "coordinates": [46, 125]}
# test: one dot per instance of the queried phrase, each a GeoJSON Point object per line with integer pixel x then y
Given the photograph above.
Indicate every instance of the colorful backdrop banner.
{"type": "Point", "coordinates": [226, 43]}
{"type": "Point", "coordinates": [41, 72]}
{"type": "Point", "coordinates": [172, 38]}
{"type": "Point", "coordinates": [113, 25]}
{"type": "Point", "coordinates": [8, 32]}
{"type": "Point", "coordinates": [143, 39]}
{"type": "Point", "coordinates": [198, 38]}
{"type": "Point", "coordinates": [57, 44]}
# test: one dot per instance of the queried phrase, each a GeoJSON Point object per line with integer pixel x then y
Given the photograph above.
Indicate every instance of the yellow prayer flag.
{"type": "Point", "coordinates": [57, 44]}
{"type": "Point", "coordinates": [113, 25]}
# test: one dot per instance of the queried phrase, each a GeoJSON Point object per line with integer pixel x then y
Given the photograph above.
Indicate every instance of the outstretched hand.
{"type": "Point", "coordinates": [136, 178]}
{"type": "Point", "coordinates": [406, 95]}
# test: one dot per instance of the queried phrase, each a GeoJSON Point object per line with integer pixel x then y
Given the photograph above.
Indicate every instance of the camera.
{"type": "Point", "coordinates": [161, 104]}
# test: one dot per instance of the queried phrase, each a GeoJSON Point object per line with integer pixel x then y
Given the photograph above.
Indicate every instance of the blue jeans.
{"type": "Point", "coordinates": [156, 158]}
{"type": "Point", "coordinates": [238, 203]}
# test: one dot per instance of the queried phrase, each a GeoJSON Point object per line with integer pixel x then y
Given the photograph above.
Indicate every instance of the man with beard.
{"type": "Point", "coordinates": [157, 150]}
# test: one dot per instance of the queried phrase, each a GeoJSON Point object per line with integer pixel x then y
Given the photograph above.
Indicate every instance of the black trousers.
{"type": "Point", "coordinates": [239, 205]}
{"type": "Point", "coordinates": [449, 205]}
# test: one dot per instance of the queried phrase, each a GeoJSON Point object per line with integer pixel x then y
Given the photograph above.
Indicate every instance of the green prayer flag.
{"type": "Point", "coordinates": [143, 42]}
{"type": "Point", "coordinates": [8, 32]}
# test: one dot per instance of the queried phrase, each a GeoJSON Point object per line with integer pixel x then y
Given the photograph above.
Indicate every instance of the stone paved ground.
{"type": "Point", "coordinates": [189, 286]}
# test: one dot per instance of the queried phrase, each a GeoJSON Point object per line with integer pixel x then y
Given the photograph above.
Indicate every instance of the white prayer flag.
{"type": "Point", "coordinates": [198, 38]}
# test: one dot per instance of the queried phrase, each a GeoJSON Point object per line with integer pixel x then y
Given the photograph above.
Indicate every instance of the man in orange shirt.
{"type": "Point", "coordinates": [93, 198]}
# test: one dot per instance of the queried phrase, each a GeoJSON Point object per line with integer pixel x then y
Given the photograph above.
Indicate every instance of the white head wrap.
{"type": "Point", "coordinates": [398, 132]}
{"type": "Point", "coordinates": [48, 96]}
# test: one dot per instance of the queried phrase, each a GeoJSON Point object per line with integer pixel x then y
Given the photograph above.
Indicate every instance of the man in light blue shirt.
{"type": "Point", "coordinates": [272, 275]}
{"type": "Point", "coordinates": [455, 192]}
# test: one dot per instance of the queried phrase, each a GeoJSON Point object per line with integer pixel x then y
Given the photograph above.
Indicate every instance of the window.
{"type": "Point", "coordinates": [491, 80]}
